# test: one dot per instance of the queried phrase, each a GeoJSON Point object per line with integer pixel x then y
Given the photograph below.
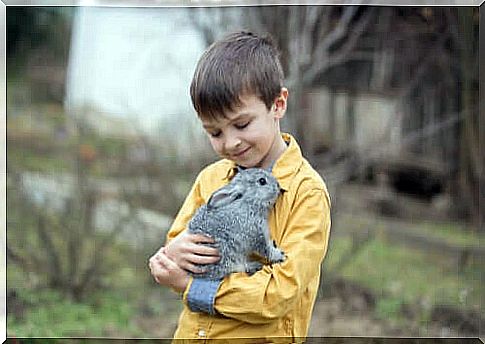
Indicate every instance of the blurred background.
{"type": "Point", "coordinates": [103, 146]}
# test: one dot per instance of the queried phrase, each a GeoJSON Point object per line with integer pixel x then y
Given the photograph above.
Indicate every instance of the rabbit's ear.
{"type": "Point", "coordinates": [224, 196]}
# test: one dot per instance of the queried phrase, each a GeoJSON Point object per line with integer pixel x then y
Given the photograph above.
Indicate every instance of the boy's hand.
{"type": "Point", "coordinates": [187, 252]}
{"type": "Point", "coordinates": [166, 272]}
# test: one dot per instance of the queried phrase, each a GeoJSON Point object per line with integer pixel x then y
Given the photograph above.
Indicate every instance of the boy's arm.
{"type": "Point", "coordinates": [271, 292]}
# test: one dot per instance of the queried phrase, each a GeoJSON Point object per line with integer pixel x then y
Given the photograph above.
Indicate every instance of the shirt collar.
{"type": "Point", "coordinates": [284, 167]}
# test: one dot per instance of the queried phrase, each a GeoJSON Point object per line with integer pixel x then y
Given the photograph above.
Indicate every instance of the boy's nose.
{"type": "Point", "coordinates": [232, 143]}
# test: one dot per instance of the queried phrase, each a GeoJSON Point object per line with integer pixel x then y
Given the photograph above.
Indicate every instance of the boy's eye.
{"type": "Point", "coordinates": [216, 134]}
{"type": "Point", "coordinates": [242, 126]}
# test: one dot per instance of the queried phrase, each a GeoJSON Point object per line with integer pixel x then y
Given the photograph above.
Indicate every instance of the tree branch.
{"type": "Point", "coordinates": [55, 266]}
{"type": "Point", "coordinates": [312, 14]}
{"type": "Point", "coordinates": [343, 55]}
{"type": "Point", "coordinates": [338, 32]}
{"type": "Point", "coordinates": [93, 268]}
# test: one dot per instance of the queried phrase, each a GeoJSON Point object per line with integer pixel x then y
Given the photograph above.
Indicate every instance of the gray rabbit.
{"type": "Point", "coordinates": [236, 217]}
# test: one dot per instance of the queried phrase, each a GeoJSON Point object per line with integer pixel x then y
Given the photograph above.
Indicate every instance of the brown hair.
{"type": "Point", "coordinates": [241, 63]}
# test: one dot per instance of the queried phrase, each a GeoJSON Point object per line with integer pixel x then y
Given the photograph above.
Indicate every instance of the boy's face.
{"type": "Point", "coordinates": [250, 135]}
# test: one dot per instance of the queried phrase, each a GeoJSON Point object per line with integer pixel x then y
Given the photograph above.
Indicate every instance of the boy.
{"type": "Point", "coordinates": [238, 95]}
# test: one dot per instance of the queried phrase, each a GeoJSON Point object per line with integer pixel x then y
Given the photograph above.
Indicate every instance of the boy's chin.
{"type": "Point", "coordinates": [245, 164]}
{"type": "Point", "coordinates": [249, 164]}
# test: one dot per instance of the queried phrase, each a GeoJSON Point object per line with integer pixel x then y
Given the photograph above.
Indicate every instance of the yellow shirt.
{"type": "Point", "coordinates": [278, 300]}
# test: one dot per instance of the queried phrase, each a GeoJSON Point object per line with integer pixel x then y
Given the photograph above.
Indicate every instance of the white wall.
{"type": "Point", "coordinates": [377, 122]}
{"type": "Point", "coordinates": [134, 66]}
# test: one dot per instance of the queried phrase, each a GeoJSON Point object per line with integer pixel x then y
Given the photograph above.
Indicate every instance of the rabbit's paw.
{"type": "Point", "coordinates": [252, 267]}
{"type": "Point", "coordinates": [276, 255]}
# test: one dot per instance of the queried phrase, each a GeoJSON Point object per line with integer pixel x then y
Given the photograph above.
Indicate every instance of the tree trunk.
{"type": "Point", "coordinates": [470, 163]}
{"type": "Point", "coordinates": [350, 125]}
{"type": "Point", "coordinates": [481, 129]}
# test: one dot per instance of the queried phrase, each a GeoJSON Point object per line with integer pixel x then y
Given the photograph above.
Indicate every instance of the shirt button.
{"type": "Point", "coordinates": [201, 333]}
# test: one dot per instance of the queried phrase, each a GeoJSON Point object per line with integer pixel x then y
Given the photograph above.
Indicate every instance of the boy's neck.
{"type": "Point", "coordinates": [278, 148]}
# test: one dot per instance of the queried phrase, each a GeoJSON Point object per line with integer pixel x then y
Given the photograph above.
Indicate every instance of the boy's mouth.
{"type": "Point", "coordinates": [239, 154]}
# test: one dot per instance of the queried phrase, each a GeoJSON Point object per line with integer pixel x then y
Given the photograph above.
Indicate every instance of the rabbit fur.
{"type": "Point", "coordinates": [236, 217]}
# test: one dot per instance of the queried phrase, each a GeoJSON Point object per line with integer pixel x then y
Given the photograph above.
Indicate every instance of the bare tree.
{"type": "Point", "coordinates": [471, 162]}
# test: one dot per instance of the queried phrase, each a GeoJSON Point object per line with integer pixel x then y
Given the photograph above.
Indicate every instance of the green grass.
{"type": "Point", "coordinates": [108, 312]}
{"type": "Point", "coordinates": [453, 233]}
{"type": "Point", "coordinates": [47, 313]}
{"type": "Point", "coordinates": [389, 308]}
{"type": "Point", "coordinates": [51, 315]}
{"type": "Point", "coordinates": [399, 275]}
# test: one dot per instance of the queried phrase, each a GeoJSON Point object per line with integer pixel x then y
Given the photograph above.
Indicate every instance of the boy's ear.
{"type": "Point", "coordinates": [280, 103]}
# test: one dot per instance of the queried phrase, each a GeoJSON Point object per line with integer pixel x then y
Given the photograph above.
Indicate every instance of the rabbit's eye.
{"type": "Point", "coordinates": [262, 181]}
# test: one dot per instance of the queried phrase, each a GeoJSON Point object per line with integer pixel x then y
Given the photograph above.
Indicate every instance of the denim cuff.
{"type": "Point", "coordinates": [202, 294]}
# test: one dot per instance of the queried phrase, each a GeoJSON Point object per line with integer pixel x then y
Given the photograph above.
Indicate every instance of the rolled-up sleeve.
{"type": "Point", "coordinates": [201, 294]}
{"type": "Point", "coordinates": [271, 292]}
